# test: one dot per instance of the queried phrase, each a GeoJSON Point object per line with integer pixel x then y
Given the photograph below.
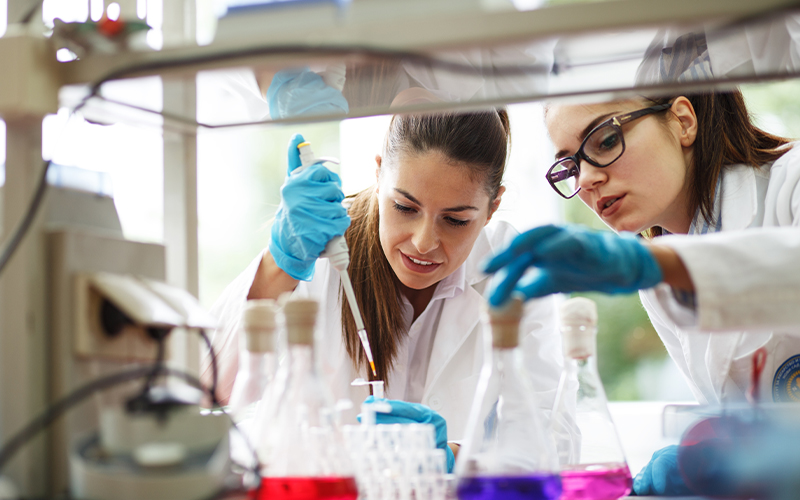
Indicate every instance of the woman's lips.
{"type": "Point", "coordinates": [611, 209]}
{"type": "Point", "coordinates": [418, 268]}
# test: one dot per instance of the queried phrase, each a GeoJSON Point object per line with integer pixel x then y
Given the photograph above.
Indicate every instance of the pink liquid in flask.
{"type": "Point", "coordinates": [596, 482]}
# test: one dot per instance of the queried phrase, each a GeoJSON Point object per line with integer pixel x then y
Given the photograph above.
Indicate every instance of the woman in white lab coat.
{"type": "Point", "coordinates": [416, 240]}
{"type": "Point", "coordinates": [680, 167]}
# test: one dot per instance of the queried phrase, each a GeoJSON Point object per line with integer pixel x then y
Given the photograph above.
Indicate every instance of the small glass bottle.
{"type": "Point", "coordinates": [301, 446]}
{"type": "Point", "coordinates": [594, 466]}
{"type": "Point", "coordinates": [508, 453]}
{"type": "Point", "coordinates": [257, 361]}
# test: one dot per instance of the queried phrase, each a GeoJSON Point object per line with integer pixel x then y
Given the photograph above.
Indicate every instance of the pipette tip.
{"type": "Point", "coordinates": [372, 365]}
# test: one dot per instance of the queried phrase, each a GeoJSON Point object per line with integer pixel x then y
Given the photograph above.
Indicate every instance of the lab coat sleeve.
{"type": "Point", "coordinates": [744, 280]}
{"type": "Point", "coordinates": [225, 339]}
{"type": "Point", "coordinates": [747, 278]}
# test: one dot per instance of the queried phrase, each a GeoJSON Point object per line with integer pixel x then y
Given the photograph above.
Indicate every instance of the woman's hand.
{"type": "Point", "coordinates": [413, 413]}
{"type": "Point", "coordinates": [309, 216]}
{"type": "Point", "coordinates": [572, 259]}
{"type": "Point", "coordinates": [297, 92]}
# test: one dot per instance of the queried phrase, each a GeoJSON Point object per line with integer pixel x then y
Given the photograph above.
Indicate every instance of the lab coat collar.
{"type": "Point", "coordinates": [473, 267]}
{"type": "Point", "coordinates": [462, 314]}
{"type": "Point", "coordinates": [739, 197]}
{"type": "Point", "coordinates": [451, 286]}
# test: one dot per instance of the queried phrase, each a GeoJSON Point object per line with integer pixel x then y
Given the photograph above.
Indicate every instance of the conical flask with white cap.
{"type": "Point", "coordinates": [508, 453]}
{"type": "Point", "coordinates": [593, 467]}
{"type": "Point", "coordinates": [257, 361]}
{"type": "Point", "coordinates": [301, 445]}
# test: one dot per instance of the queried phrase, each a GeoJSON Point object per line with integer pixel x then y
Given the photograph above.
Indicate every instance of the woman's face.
{"type": "Point", "coordinates": [647, 185]}
{"type": "Point", "coordinates": [431, 213]}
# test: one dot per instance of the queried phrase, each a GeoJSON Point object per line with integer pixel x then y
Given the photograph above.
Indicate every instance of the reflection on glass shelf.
{"type": "Point", "coordinates": [333, 81]}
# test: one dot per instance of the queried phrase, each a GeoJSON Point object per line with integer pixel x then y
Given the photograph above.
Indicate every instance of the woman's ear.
{"type": "Point", "coordinates": [683, 110]}
{"type": "Point", "coordinates": [495, 203]}
{"type": "Point", "coordinates": [378, 160]}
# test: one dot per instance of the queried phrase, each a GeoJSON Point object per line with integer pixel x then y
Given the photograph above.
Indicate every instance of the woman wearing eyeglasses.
{"type": "Point", "coordinates": [673, 170]}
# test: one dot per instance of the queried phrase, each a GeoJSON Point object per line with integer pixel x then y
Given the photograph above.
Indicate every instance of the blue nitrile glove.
{"type": "Point", "coordinates": [572, 259]}
{"type": "Point", "coordinates": [309, 216]}
{"type": "Point", "coordinates": [413, 413]}
{"type": "Point", "coordinates": [661, 475]}
{"type": "Point", "coordinates": [300, 91]}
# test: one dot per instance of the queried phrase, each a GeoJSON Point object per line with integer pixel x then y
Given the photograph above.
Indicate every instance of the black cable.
{"type": "Point", "coordinates": [214, 369]}
{"type": "Point", "coordinates": [157, 366]}
{"type": "Point", "coordinates": [12, 243]}
{"type": "Point", "coordinates": [60, 407]}
{"type": "Point", "coordinates": [66, 403]}
{"type": "Point", "coordinates": [256, 470]}
{"type": "Point", "coordinates": [32, 10]}
{"type": "Point", "coordinates": [15, 239]}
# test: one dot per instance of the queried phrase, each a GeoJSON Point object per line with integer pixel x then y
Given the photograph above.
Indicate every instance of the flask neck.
{"type": "Point", "coordinates": [300, 358]}
{"type": "Point", "coordinates": [505, 359]}
{"type": "Point", "coordinates": [258, 362]}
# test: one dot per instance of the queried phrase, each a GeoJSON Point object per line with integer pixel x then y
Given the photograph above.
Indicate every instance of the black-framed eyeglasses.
{"type": "Point", "coordinates": [601, 147]}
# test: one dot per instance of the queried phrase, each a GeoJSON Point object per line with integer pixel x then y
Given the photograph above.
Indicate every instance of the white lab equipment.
{"type": "Point", "coordinates": [337, 252]}
{"type": "Point", "coordinates": [398, 461]}
{"type": "Point", "coordinates": [593, 467]}
{"type": "Point", "coordinates": [153, 442]}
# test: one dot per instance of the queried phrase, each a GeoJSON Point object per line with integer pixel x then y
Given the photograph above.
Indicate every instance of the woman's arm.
{"type": "Point", "coordinates": [270, 280]}
{"type": "Point", "coordinates": [672, 267]}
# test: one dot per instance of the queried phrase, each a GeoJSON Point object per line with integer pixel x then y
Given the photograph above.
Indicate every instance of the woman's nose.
{"type": "Point", "coordinates": [591, 176]}
{"type": "Point", "coordinates": [425, 238]}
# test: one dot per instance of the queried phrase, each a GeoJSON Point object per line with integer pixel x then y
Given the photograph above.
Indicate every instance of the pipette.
{"type": "Point", "coordinates": [339, 255]}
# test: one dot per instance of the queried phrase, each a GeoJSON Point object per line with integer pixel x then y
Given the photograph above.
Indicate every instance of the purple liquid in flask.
{"type": "Point", "coordinates": [533, 487]}
{"type": "Point", "coordinates": [596, 482]}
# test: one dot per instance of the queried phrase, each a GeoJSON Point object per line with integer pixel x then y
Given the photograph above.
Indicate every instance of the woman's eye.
{"type": "Point", "coordinates": [456, 222]}
{"type": "Point", "coordinates": [609, 141]}
{"type": "Point", "coordinates": [403, 209]}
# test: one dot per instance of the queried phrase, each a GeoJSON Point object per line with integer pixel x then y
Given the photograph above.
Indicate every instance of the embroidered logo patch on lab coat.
{"type": "Point", "coordinates": [786, 384]}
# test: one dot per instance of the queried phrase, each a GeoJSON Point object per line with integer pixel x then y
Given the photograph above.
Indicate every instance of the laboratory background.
{"type": "Point", "coordinates": [185, 155]}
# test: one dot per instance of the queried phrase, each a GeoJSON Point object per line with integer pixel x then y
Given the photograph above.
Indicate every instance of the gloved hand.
{"type": "Point", "coordinates": [413, 413]}
{"type": "Point", "coordinates": [661, 475]}
{"type": "Point", "coordinates": [309, 216]}
{"type": "Point", "coordinates": [572, 259]}
{"type": "Point", "coordinates": [296, 92]}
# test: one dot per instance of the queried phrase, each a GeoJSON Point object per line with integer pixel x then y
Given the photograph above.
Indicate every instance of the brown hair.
{"type": "Point", "coordinates": [476, 141]}
{"type": "Point", "coordinates": [725, 136]}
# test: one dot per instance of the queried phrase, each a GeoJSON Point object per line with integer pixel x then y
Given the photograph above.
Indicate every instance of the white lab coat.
{"type": "Point", "coordinates": [458, 346]}
{"type": "Point", "coordinates": [747, 285]}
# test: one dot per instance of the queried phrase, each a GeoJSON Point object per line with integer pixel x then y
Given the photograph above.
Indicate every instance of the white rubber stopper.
{"type": "Point", "coordinates": [579, 327]}
{"type": "Point", "coordinates": [259, 325]}
{"type": "Point", "coordinates": [301, 316]}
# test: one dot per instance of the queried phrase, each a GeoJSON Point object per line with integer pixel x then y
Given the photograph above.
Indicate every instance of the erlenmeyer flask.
{"type": "Point", "coordinates": [301, 446]}
{"type": "Point", "coordinates": [594, 467]}
{"type": "Point", "coordinates": [258, 361]}
{"type": "Point", "coordinates": [508, 453]}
